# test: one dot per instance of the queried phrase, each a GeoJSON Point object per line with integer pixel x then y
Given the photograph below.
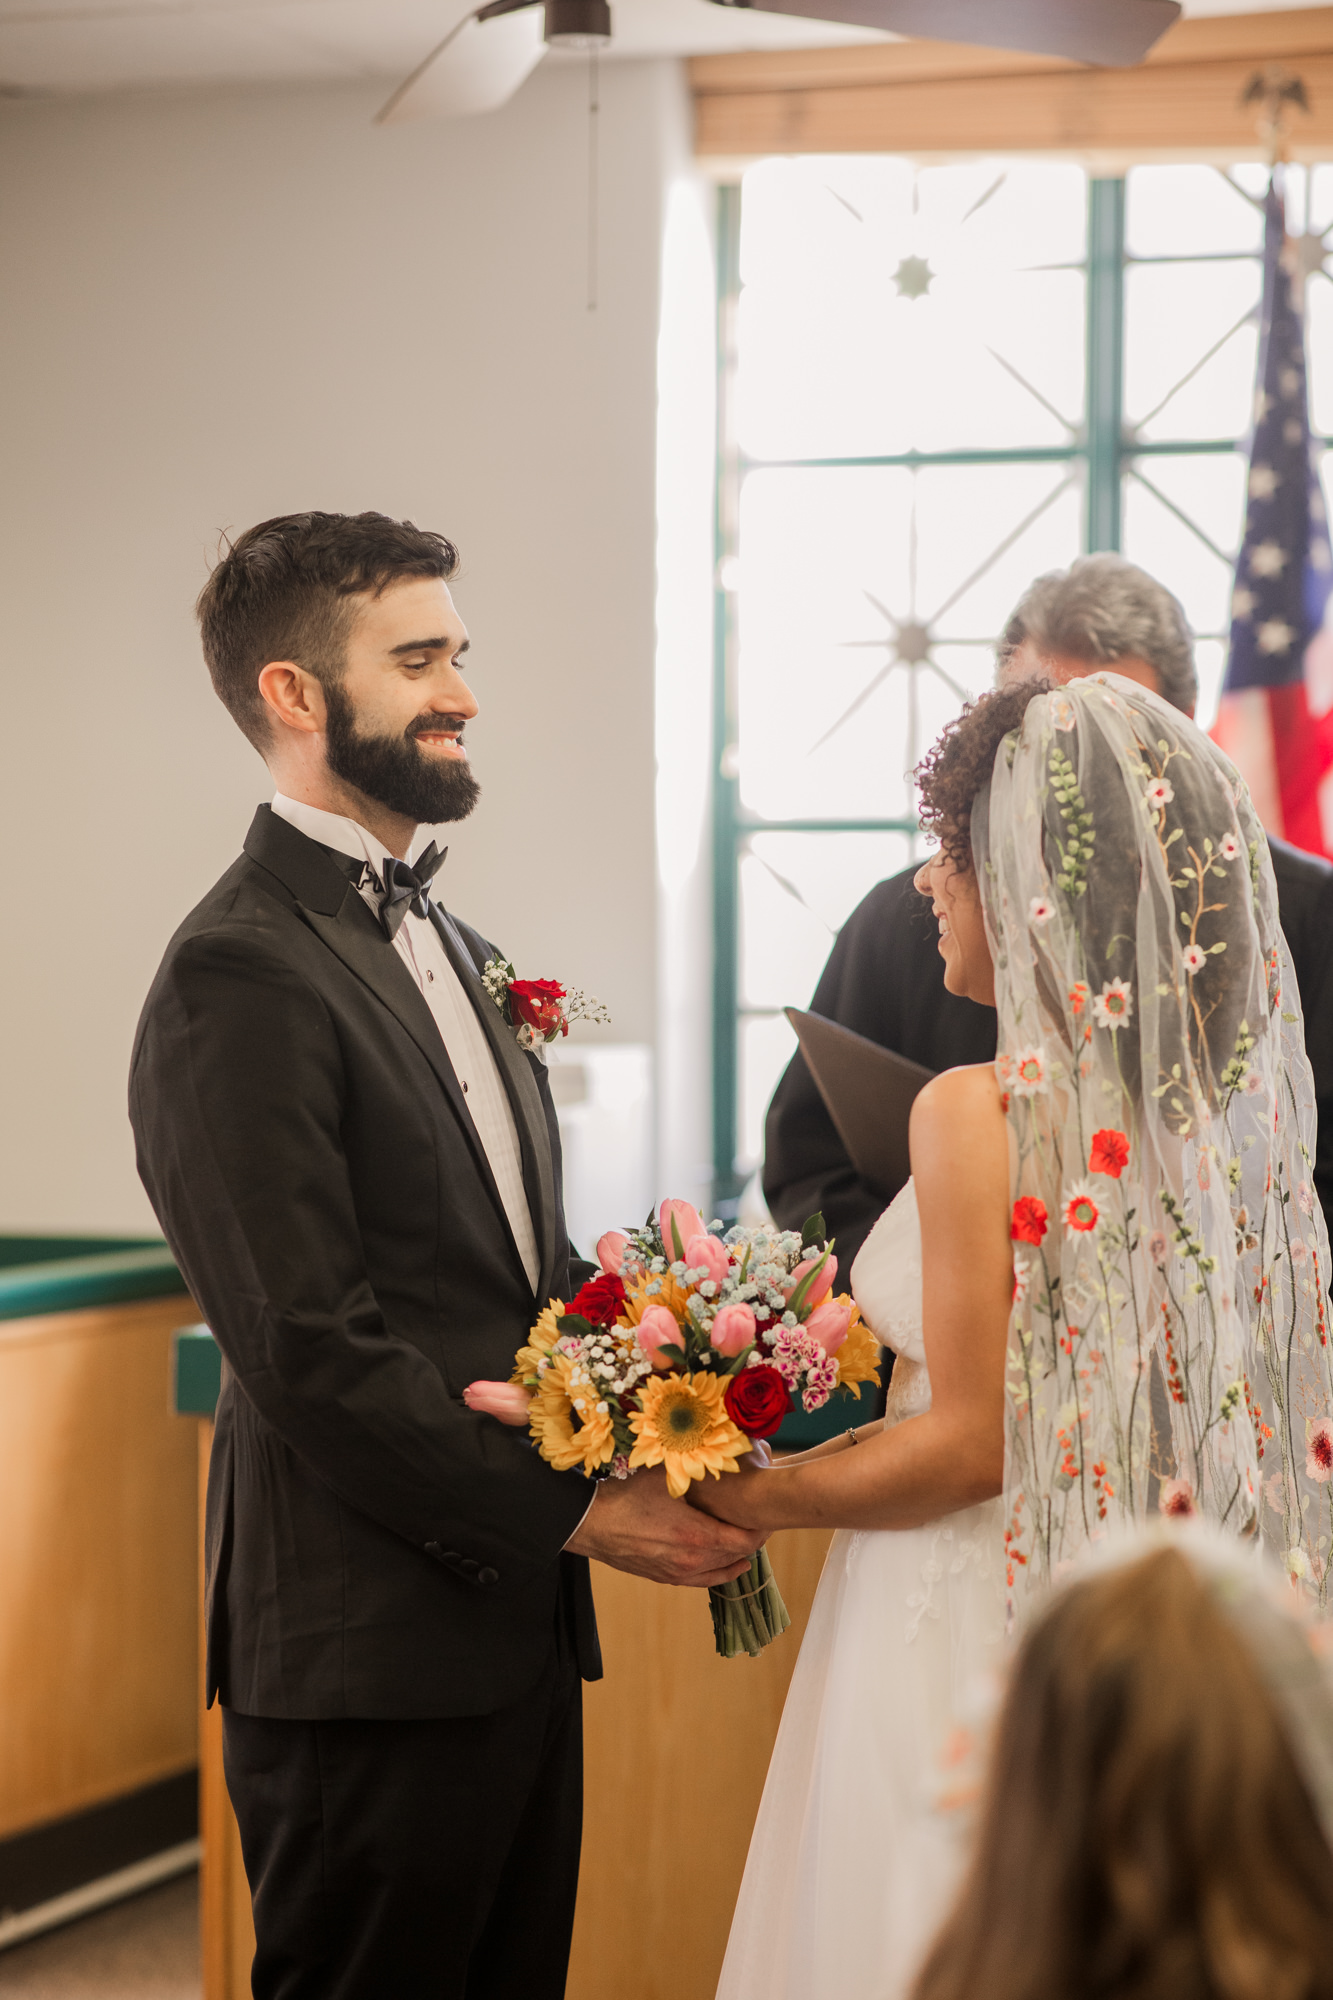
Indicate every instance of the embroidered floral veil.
{"type": "Point", "coordinates": [1168, 1341]}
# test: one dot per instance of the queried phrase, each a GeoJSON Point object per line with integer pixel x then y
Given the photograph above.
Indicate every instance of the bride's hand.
{"type": "Point", "coordinates": [736, 1497]}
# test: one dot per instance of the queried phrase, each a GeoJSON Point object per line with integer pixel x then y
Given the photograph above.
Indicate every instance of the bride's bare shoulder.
{"type": "Point", "coordinates": [959, 1117]}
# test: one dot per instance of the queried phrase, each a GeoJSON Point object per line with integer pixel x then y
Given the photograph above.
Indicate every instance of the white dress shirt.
{"type": "Point", "coordinates": [419, 946]}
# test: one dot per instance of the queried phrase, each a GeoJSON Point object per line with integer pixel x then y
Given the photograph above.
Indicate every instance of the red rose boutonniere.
{"type": "Point", "coordinates": [538, 1010]}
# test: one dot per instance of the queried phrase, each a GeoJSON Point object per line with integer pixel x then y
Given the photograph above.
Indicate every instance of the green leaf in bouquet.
{"type": "Point", "coordinates": [676, 1355]}
{"type": "Point", "coordinates": [813, 1231]}
{"type": "Point", "coordinates": [675, 1239]}
{"type": "Point", "coordinates": [735, 1367]}
{"type": "Point", "coordinates": [575, 1324]}
{"type": "Point", "coordinates": [802, 1292]}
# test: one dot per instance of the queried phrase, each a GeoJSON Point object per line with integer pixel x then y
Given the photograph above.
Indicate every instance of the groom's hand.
{"type": "Point", "coordinates": [634, 1524]}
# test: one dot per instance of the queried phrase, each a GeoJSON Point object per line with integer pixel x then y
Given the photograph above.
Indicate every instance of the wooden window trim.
{"type": "Point", "coordinates": [939, 98]}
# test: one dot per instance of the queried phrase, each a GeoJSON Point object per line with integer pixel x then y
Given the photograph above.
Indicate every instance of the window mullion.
{"type": "Point", "coordinates": [1105, 349]}
{"type": "Point", "coordinates": [726, 783]}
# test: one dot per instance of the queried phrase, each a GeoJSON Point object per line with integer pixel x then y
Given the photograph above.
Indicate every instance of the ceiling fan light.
{"type": "Point", "coordinates": [577, 24]}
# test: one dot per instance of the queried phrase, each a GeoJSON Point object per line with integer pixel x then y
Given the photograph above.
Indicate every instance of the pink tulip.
{"type": "Point", "coordinates": [709, 1254]}
{"type": "Point", "coordinates": [611, 1250]}
{"type": "Point", "coordinates": [733, 1329]}
{"type": "Point", "coordinates": [509, 1401]}
{"type": "Point", "coordinates": [822, 1285]}
{"type": "Point", "coordinates": [656, 1330]}
{"type": "Point", "coordinates": [688, 1223]}
{"type": "Point", "coordinates": [829, 1323]}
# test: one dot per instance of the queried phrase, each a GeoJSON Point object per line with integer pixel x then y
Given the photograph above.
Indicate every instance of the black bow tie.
{"type": "Point", "coordinates": [405, 885]}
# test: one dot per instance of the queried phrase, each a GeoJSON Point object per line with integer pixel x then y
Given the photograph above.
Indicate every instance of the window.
{"type": "Point", "coordinates": [935, 384]}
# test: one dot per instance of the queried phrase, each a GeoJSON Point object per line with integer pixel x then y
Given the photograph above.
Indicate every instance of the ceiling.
{"type": "Point", "coordinates": [59, 47]}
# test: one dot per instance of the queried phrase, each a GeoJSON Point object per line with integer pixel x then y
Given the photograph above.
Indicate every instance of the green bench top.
{"type": "Point", "coordinates": [50, 1274]}
{"type": "Point", "coordinates": [196, 1371]}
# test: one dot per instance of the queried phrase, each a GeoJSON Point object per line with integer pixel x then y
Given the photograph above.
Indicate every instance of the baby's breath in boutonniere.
{"type": "Point", "coordinates": [538, 1010]}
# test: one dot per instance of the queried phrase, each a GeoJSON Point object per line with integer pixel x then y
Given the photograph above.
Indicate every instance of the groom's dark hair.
{"type": "Point", "coordinates": [283, 591]}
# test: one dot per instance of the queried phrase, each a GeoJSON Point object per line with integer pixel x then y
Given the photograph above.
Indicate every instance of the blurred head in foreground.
{"type": "Point", "coordinates": [1155, 1825]}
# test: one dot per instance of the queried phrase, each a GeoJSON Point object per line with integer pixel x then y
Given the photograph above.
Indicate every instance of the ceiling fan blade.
{"type": "Point", "coordinates": [1113, 32]}
{"type": "Point", "coordinates": [478, 66]}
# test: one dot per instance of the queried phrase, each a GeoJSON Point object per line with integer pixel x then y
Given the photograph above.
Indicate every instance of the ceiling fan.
{"type": "Point", "coordinates": [486, 56]}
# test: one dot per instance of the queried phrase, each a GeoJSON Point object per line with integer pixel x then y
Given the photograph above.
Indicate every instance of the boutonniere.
{"type": "Point", "coordinates": [538, 1010]}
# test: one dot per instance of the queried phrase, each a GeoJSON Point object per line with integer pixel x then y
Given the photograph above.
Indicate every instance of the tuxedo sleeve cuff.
{"type": "Point", "coordinates": [582, 1518]}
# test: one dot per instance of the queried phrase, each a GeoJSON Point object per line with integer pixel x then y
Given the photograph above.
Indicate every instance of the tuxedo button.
{"type": "Point", "coordinates": [488, 1576]}
{"type": "Point", "coordinates": [434, 1549]}
{"type": "Point", "coordinates": [468, 1562]}
{"type": "Point", "coordinates": [430, 976]}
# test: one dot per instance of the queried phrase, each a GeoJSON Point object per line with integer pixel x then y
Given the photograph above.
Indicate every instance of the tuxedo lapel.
{"type": "Point", "coordinates": [338, 914]}
{"type": "Point", "coordinates": [515, 1068]}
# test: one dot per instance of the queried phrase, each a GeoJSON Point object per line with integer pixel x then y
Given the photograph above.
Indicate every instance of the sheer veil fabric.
{"type": "Point", "coordinates": [1168, 1343]}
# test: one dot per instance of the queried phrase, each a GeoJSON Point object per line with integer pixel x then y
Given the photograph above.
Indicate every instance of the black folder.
{"type": "Point", "coordinates": [869, 1092]}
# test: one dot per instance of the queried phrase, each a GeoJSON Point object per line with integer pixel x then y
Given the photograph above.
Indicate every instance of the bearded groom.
{"type": "Point", "coordinates": [358, 1171]}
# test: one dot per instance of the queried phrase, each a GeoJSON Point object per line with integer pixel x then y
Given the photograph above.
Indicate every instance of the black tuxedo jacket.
{"type": "Point", "coordinates": [885, 979]}
{"type": "Point", "coordinates": [372, 1547]}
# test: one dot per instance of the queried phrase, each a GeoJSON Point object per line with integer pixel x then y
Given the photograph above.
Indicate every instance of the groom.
{"type": "Point", "coordinates": [358, 1171]}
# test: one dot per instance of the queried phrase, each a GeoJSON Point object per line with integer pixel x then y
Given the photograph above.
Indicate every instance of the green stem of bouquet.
{"type": "Point", "coordinates": [748, 1613]}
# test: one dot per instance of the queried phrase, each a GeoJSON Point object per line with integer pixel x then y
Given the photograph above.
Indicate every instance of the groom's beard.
{"type": "Point", "coordinates": [393, 770]}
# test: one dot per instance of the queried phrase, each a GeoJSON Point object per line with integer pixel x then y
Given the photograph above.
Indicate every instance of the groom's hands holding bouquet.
{"type": "Point", "coordinates": [670, 1367]}
{"type": "Point", "coordinates": [635, 1525]}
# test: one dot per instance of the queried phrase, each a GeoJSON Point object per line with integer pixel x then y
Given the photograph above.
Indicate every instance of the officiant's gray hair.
{"type": "Point", "coordinates": [1103, 609]}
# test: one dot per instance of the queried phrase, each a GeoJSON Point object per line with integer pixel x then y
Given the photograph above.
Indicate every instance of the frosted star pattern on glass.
{"type": "Point", "coordinates": [827, 600]}
{"type": "Point", "coordinates": [841, 356]}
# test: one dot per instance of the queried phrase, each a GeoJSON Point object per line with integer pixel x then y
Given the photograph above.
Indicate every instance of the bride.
{"type": "Point", "coordinates": [1105, 1287]}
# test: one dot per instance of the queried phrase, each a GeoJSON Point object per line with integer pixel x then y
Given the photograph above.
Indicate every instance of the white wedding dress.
{"type": "Point", "coordinates": [857, 1848]}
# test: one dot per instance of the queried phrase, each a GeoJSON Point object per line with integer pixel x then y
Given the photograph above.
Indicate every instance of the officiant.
{"type": "Point", "coordinates": [885, 978]}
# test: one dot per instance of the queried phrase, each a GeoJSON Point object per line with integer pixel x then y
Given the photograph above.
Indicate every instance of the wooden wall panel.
{"type": "Point", "coordinates": [98, 1647]}
{"type": "Point", "coordinates": [678, 1743]}
{"type": "Point", "coordinates": [226, 1929]}
{"type": "Point", "coordinates": [933, 97]}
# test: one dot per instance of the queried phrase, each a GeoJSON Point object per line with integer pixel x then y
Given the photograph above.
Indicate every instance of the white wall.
{"type": "Point", "coordinates": [224, 307]}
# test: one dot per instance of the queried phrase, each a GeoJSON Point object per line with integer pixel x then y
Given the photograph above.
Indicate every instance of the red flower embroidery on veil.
{"type": "Point", "coordinates": [1110, 1154]}
{"type": "Point", "coordinates": [1030, 1219]}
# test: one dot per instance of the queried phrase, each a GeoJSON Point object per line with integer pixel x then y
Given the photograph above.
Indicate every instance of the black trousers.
{"type": "Point", "coordinates": [431, 1860]}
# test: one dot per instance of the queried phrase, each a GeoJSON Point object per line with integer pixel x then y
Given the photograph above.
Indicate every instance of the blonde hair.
{"type": "Point", "coordinates": [1146, 1833]}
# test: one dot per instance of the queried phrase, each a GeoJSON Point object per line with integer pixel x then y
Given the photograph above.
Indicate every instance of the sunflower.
{"type": "Point", "coordinates": [683, 1424]}
{"type": "Point", "coordinates": [541, 1340]}
{"type": "Point", "coordinates": [858, 1357]}
{"type": "Point", "coordinates": [670, 1293]}
{"type": "Point", "coordinates": [571, 1425]}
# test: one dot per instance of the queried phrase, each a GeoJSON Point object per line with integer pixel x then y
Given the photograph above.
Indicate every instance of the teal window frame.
{"type": "Point", "coordinates": [1104, 450]}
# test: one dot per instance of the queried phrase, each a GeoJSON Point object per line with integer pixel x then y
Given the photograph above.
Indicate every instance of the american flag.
{"type": "Point", "coordinates": [1281, 651]}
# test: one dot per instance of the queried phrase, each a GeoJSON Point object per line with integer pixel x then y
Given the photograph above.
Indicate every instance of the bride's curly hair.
{"type": "Point", "coordinates": [959, 763]}
{"type": "Point", "coordinates": [1146, 1834]}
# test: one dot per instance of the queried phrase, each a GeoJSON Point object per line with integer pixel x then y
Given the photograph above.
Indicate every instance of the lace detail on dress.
{"type": "Point", "coordinates": [966, 1547]}
{"type": "Point", "coordinates": [909, 1390]}
{"type": "Point", "coordinates": [886, 1278]}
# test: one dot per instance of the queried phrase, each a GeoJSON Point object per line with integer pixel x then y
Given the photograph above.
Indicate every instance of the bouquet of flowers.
{"type": "Point", "coordinates": [689, 1347]}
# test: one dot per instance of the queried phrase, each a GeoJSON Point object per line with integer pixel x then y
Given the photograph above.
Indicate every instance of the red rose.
{"type": "Point", "coordinates": [1029, 1223]}
{"type": "Point", "coordinates": [536, 1003]}
{"type": "Point", "coordinates": [1110, 1154]}
{"type": "Point", "coordinates": [757, 1400]}
{"type": "Point", "coordinates": [600, 1300]}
